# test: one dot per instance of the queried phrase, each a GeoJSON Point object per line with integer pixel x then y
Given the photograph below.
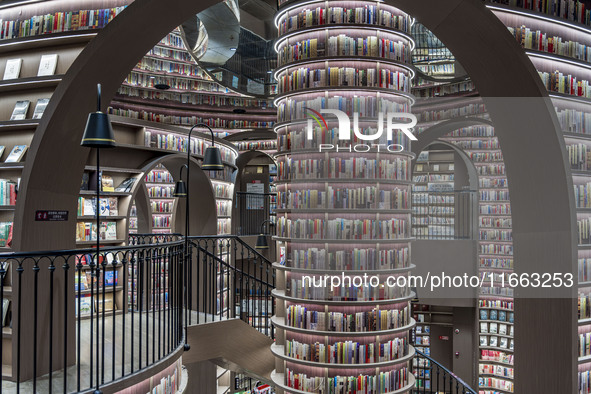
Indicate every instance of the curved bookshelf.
{"type": "Point", "coordinates": [279, 322]}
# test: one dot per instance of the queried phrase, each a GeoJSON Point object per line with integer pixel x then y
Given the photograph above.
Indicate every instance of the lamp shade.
{"type": "Point", "coordinates": [262, 242]}
{"type": "Point", "coordinates": [213, 159]}
{"type": "Point", "coordinates": [98, 132]}
{"type": "Point", "coordinates": [180, 189]}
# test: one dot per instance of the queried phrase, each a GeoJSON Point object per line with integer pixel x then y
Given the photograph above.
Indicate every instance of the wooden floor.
{"type": "Point", "coordinates": [144, 353]}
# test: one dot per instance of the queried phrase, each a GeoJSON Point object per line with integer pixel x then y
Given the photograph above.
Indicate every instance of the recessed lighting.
{"type": "Point", "coordinates": [270, 72]}
{"type": "Point", "coordinates": [232, 49]}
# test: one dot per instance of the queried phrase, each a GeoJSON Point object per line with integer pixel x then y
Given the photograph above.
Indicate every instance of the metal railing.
{"type": "Point", "coordinates": [444, 214]}
{"type": "Point", "coordinates": [434, 378]}
{"type": "Point", "coordinates": [79, 321]}
{"type": "Point", "coordinates": [233, 281]}
{"type": "Point", "coordinates": [254, 209]}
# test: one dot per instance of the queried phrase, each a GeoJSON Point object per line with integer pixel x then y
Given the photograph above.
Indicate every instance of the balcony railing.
{"type": "Point", "coordinates": [254, 210]}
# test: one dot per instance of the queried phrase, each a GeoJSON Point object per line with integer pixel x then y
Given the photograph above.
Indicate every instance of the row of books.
{"type": "Point", "coordinates": [224, 208]}
{"type": "Point", "coordinates": [87, 231]}
{"type": "Point", "coordinates": [584, 305]}
{"type": "Point", "coordinates": [168, 53]}
{"type": "Point", "coordinates": [160, 191]}
{"type": "Point", "coordinates": [496, 328]}
{"type": "Point", "coordinates": [495, 341]}
{"type": "Point", "coordinates": [83, 280]}
{"type": "Point", "coordinates": [572, 10]}
{"type": "Point", "coordinates": [471, 132]}
{"type": "Point", "coordinates": [154, 65]}
{"type": "Point", "coordinates": [494, 195]}
{"type": "Point", "coordinates": [450, 113]}
{"type": "Point", "coordinates": [108, 206]}
{"type": "Point", "coordinates": [344, 45]}
{"type": "Point", "coordinates": [223, 190]}
{"type": "Point", "coordinates": [428, 167]}
{"type": "Point", "coordinates": [344, 168]}
{"type": "Point", "coordinates": [316, 290]}
{"type": "Point", "coordinates": [584, 380]}
{"type": "Point", "coordinates": [492, 222]}
{"type": "Point", "coordinates": [178, 142]}
{"type": "Point", "coordinates": [159, 176]}
{"type": "Point", "coordinates": [495, 383]}
{"type": "Point", "coordinates": [499, 304]}
{"type": "Point", "coordinates": [437, 69]}
{"type": "Point", "coordinates": [500, 263]}
{"type": "Point", "coordinates": [162, 206]}
{"type": "Point", "coordinates": [579, 156]}
{"type": "Point", "coordinates": [337, 197]}
{"type": "Point", "coordinates": [497, 370]}
{"type": "Point", "coordinates": [497, 291]}
{"type": "Point", "coordinates": [347, 352]}
{"type": "Point", "coordinates": [58, 22]}
{"type": "Point", "coordinates": [224, 226]}
{"type": "Point", "coordinates": [433, 210]}
{"type": "Point", "coordinates": [185, 119]}
{"type": "Point", "coordinates": [228, 174]}
{"type": "Point", "coordinates": [496, 249]}
{"type": "Point", "coordinates": [293, 138]}
{"type": "Point", "coordinates": [384, 382]}
{"type": "Point", "coordinates": [257, 145]}
{"type": "Point", "coordinates": [497, 356]}
{"type": "Point", "coordinates": [367, 106]}
{"type": "Point", "coordinates": [567, 84]}
{"type": "Point", "coordinates": [21, 109]}
{"type": "Point", "coordinates": [161, 221]}
{"type": "Point", "coordinates": [6, 234]}
{"type": "Point", "coordinates": [585, 344]}
{"type": "Point", "coordinates": [345, 229]}
{"type": "Point", "coordinates": [487, 183]}
{"type": "Point", "coordinates": [304, 78]}
{"type": "Point", "coordinates": [195, 98]}
{"type": "Point", "coordinates": [495, 235]}
{"type": "Point", "coordinates": [367, 15]}
{"type": "Point", "coordinates": [495, 209]}
{"type": "Point", "coordinates": [574, 121]}
{"type": "Point", "coordinates": [444, 90]}
{"type": "Point", "coordinates": [374, 320]}
{"type": "Point", "coordinates": [84, 304]}
{"type": "Point", "coordinates": [354, 259]}
{"type": "Point", "coordinates": [180, 82]}
{"type": "Point", "coordinates": [8, 192]}
{"type": "Point", "coordinates": [47, 66]}
{"type": "Point", "coordinates": [541, 41]}
{"type": "Point", "coordinates": [485, 156]}
{"type": "Point", "coordinates": [434, 178]}
{"type": "Point", "coordinates": [477, 143]}
{"type": "Point", "coordinates": [584, 264]}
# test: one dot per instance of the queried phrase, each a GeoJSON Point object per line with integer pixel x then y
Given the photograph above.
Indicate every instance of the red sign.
{"type": "Point", "coordinates": [51, 216]}
{"type": "Point", "coordinates": [444, 337]}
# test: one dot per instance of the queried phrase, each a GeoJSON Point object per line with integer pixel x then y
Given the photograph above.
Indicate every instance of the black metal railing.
{"type": "Point", "coordinates": [433, 378]}
{"type": "Point", "coordinates": [254, 210]}
{"type": "Point", "coordinates": [80, 321]}
{"type": "Point", "coordinates": [233, 280]}
{"type": "Point", "coordinates": [154, 239]}
{"type": "Point", "coordinates": [444, 214]}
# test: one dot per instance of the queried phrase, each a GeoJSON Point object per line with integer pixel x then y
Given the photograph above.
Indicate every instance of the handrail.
{"type": "Point", "coordinates": [448, 388]}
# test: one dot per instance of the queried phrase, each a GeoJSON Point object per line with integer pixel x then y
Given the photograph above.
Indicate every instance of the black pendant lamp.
{"type": "Point", "coordinates": [212, 161]}
{"type": "Point", "coordinates": [180, 187]}
{"type": "Point", "coordinates": [98, 132]}
{"type": "Point", "coordinates": [262, 238]}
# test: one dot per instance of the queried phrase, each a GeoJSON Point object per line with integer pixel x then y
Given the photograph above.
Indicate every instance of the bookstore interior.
{"type": "Point", "coordinates": [295, 196]}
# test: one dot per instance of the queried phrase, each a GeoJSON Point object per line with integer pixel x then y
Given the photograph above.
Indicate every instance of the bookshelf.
{"type": "Point", "coordinates": [336, 212]}
{"type": "Point", "coordinates": [192, 97]}
{"type": "Point", "coordinates": [433, 201]}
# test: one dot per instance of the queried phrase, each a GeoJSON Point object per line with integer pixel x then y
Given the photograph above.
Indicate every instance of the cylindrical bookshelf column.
{"type": "Point", "coordinates": [343, 210]}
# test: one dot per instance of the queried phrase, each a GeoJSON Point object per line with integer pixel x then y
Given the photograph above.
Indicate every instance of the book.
{"type": "Point", "coordinates": [502, 316]}
{"type": "Point", "coordinates": [83, 304]}
{"type": "Point", "coordinates": [503, 342]}
{"type": "Point", "coordinates": [107, 183]}
{"type": "Point", "coordinates": [16, 154]}
{"type": "Point", "coordinates": [503, 329]}
{"type": "Point", "coordinates": [110, 278]}
{"type": "Point", "coordinates": [80, 282]}
{"type": "Point", "coordinates": [85, 179]}
{"type": "Point", "coordinates": [493, 314]}
{"type": "Point", "coordinates": [13, 68]}
{"type": "Point", "coordinates": [483, 340]}
{"type": "Point", "coordinates": [493, 328]}
{"type": "Point", "coordinates": [483, 314]}
{"type": "Point", "coordinates": [493, 341]}
{"type": "Point", "coordinates": [427, 329]}
{"type": "Point", "coordinates": [126, 185]}
{"type": "Point", "coordinates": [20, 110]}
{"type": "Point", "coordinates": [109, 305]}
{"type": "Point", "coordinates": [47, 65]}
{"type": "Point", "coordinates": [484, 328]}
{"type": "Point", "coordinates": [40, 108]}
